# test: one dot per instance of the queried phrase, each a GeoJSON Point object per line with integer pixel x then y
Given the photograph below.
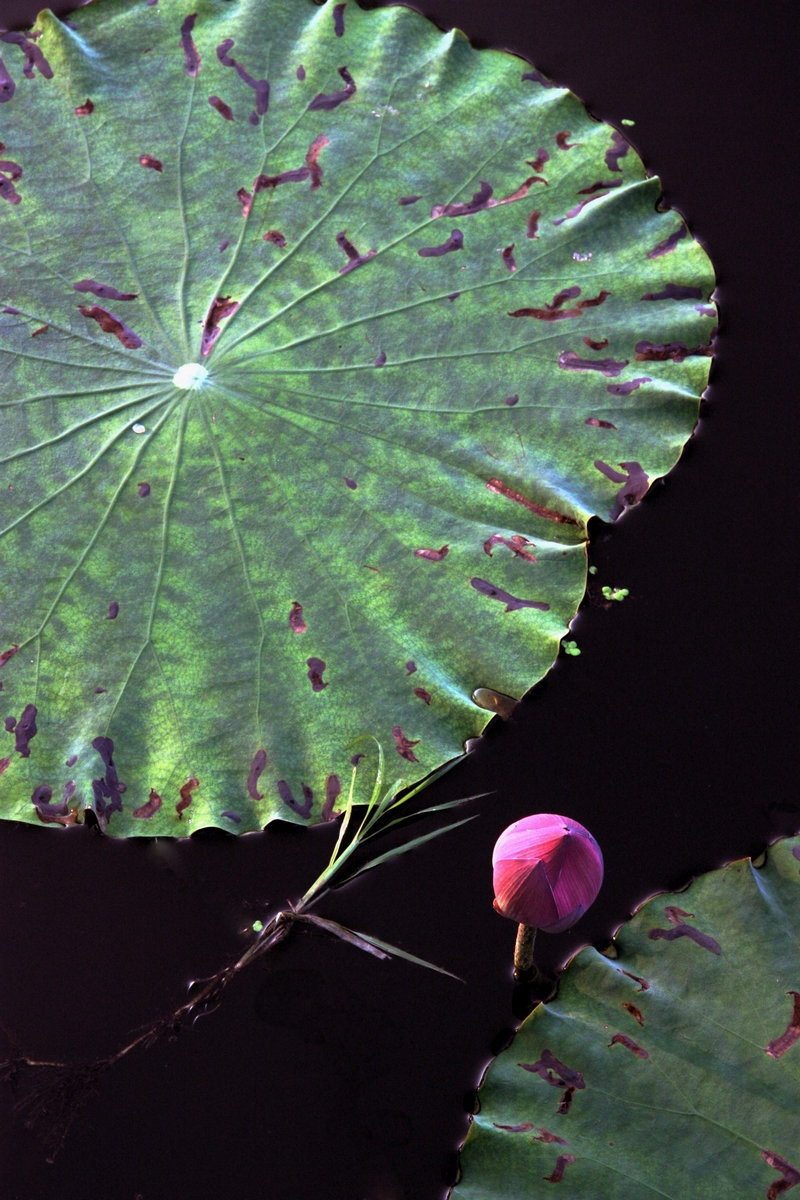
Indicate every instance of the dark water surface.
{"type": "Point", "coordinates": [329, 1075]}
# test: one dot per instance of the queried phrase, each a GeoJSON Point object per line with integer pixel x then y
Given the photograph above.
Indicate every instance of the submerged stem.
{"type": "Point", "coordinates": [54, 1091]}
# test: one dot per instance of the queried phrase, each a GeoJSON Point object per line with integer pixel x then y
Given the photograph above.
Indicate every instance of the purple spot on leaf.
{"type": "Point", "coordinates": [186, 795]}
{"type": "Point", "coordinates": [150, 807]}
{"type": "Point", "coordinates": [327, 101]}
{"type": "Point", "coordinates": [668, 244]}
{"type": "Point", "coordinates": [454, 242]}
{"type": "Point", "coordinates": [25, 730]}
{"type": "Point", "coordinates": [222, 108]}
{"type": "Point", "coordinates": [598, 187]}
{"type": "Point", "coordinates": [675, 291]}
{"type": "Point", "coordinates": [404, 746]}
{"type": "Point", "coordinates": [508, 257]}
{"type": "Point", "coordinates": [676, 351]}
{"type": "Point", "coordinates": [355, 259]}
{"type": "Point", "coordinates": [568, 360]}
{"type": "Point", "coordinates": [256, 769]}
{"type": "Point", "coordinates": [333, 789]}
{"type": "Point", "coordinates": [312, 159]}
{"type": "Point", "coordinates": [264, 183]}
{"type": "Point", "coordinates": [231, 816]}
{"type": "Point", "coordinates": [85, 109]}
{"type": "Point", "coordinates": [191, 63]}
{"type": "Point", "coordinates": [108, 790]}
{"type": "Point", "coordinates": [554, 1072]}
{"type": "Point", "coordinates": [111, 324]}
{"type": "Point", "coordinates": [501, 489]}
{"type": "Point", "coordinates": [422, 694]}
{"type": "Point", "coordinates": [143, 490]}
{"type": "Point", "coordinates": [597, 423]}
{"type": "Point", "coordinates": [380, 360]}
{"type": "Point", "coordinates": [276, 237]}
{"type": "Point", "coordinates": [780, 1045]}
{"type": "Point", "coordinates": [7, 654]}
{"type": "Point", "coordinates": [154, 164]}
{"type": "Point", "coordinates": [555, 310]}
{"type": "Point", "coordinates": [51, 813]}
{"type": "Point", "coordinates": [103, 290]}
{"type": "Point", "coordinates": [34, 59]}
{"type": "Point", "coordinates": [409, 199]}
{"type": "Point", "coordinates": [546, 1136]}
{"type": "Point", "coordinates": [634, 485]}
{"type": "Point", "coordinates": [480, 200]}
{"type": "Point", "coordinates": [9, 173]}
{"type": "Point", "coordinates": [7, 85]}
{"type": "Point", "coordinates": [679, 929]}
{"type": "Point", "coordinates": [618, 149]}
{"type": "Point", "coordinates": [512, 603]}
{"type": "Point", "coordinates": [622, 1039]}
{"type": "Point", "coordinates": [578, 209]}
{"type": "Point", "coordinates": [259, 86]}
{"type": "Point", "coordinates": [562, 1162]}
{"type": "Point", "coordinates": [316, 667]}
{"type": "Point", "coordinates": [484, 198]}
{"type": "Point", "coordinates": [351, 483]}
{"type": "Point", "coordinates": [516, 543]}
{"type": "Point", "coordinates": [285, 793]}
{"type": "Point", "coordinates": [625, 389]}
{"type": "Point", "coordinates": [338, 19]}
{"type": "Point", "coordinates": [411, 667]}
{"type": "Point", "coordinates": [245, 198]}
{"type": "Point", "coordinates": [790, 1176]}
{"type": "Point", "coordinates": [296, 622]}
{"type": "Point", "coordinates": [222, 308]}
{"type": "Point", "coordinates": [433, 555]}
{"type": "Point", "coordinates": [113, 611]}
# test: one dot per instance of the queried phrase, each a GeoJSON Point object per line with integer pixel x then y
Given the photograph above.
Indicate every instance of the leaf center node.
{"type": "Point", "coordinates": [190, 375]}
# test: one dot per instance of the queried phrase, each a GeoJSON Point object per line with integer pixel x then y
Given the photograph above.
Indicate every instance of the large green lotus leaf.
{"type": "Point", "coordinates": [672, 1071]}
{"type": "Point", "coordinates": [324, 334]}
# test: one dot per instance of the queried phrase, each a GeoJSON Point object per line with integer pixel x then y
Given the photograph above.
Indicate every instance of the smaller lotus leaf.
{"type": "Point", "coordinates": [672, 1071]}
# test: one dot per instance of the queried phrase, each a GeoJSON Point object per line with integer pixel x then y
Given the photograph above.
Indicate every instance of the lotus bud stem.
{"type": "Point", "coordinates": [523, 950]}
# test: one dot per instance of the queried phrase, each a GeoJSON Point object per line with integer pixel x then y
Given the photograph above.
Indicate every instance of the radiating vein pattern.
{"type": "Point", "coordinates": [312, 372]}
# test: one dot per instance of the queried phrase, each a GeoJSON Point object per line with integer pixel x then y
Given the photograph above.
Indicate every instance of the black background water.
{"type": "Point", "coordinates": [330, 1075]}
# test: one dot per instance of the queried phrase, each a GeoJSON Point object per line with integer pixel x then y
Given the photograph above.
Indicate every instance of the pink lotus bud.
{"type": "Point", "coordinates": [547, 872]}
